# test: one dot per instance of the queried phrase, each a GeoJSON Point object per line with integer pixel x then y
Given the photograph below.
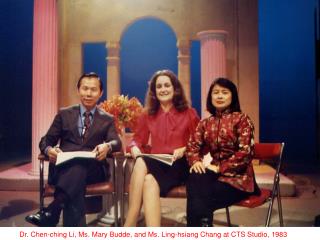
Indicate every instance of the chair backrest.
{"type": "Point", "coordinates": [270, 151]}
{"type": "Point", "coordinates": [267, 151]}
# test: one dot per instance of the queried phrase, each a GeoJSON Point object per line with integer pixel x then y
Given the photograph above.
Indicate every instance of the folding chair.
{"type": "Point", "coordinates": [264, 152]}
{"type": "Point", "coordinates": [97, 189]}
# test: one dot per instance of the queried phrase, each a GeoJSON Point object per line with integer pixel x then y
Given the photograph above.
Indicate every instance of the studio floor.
{"type": "Point", "coordinates": [298, 210]}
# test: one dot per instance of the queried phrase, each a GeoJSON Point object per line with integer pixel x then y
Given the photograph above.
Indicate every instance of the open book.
{"type": "Point", "coordinates": [66, 156]}
{"type": "Point", "coordinates": [165, 158]}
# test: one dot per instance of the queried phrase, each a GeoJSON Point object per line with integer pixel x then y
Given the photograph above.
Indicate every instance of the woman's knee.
{"type": "Point", "coordinates": [139, 165]}
{"type": "Point", "coordinates": [150, 182]}
{"type": "Point", "coordinates": [195, 182]}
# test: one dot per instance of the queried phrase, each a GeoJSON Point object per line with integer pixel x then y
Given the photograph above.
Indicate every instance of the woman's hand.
{"type": "Point", "coordinates": [198, 167]}
{"type": "Point", "coordinates": [135, 151]}
{"type": "Point", "coordinates": [178, 153]}
{"type": "Point", "coordinates": [214, 168]}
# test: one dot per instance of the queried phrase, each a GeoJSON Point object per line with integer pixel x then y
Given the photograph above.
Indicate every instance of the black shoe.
{"type": "Point", "coordinates": [42, 218]}
{"type": "Point", "coordinates": [317, 221]}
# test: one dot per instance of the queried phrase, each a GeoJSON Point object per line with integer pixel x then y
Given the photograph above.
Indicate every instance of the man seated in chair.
{"type": "Point", "coordinates": [81, 127]}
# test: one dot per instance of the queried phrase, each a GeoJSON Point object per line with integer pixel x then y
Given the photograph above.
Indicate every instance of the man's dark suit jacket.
{"type": "Point", "coordinates": [64, 130]}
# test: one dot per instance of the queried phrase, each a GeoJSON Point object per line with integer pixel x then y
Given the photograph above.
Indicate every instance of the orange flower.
{"type": "Point", "coordinates": [125, 111]}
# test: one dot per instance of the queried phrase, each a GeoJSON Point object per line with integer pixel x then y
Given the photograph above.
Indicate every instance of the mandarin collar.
{"type": "Point", "coordinates": [222, 113]}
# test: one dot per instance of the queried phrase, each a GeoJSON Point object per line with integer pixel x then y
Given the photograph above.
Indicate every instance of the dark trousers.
{"type": "Point", "coordinates": [72, 179]}
{"type": "Point", "coordinates": [205, 194]}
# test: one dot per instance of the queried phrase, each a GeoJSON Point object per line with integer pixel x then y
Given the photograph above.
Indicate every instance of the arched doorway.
{"type": "Point", "coordinates": [147, 45]}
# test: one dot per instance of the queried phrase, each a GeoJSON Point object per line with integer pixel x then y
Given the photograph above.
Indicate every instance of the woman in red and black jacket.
{"type": "Point", "coordinates": [228, 134]}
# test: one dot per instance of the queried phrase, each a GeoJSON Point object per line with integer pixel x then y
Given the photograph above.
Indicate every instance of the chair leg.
{"type": "Point", "coordinates": [41, 187]}
{"type": "Point", "coordinates": [228, 216]}
{"type": "Point", "coordinates": [122, 192]}
{"type": "Point", "coordinates": [115, 204]}
{"type": "Point", "coordinates": [279, 206]}
{"type": "Point", "coordinates": [274, 192]}
{"type": "Point", "coordinates": [123, 198]}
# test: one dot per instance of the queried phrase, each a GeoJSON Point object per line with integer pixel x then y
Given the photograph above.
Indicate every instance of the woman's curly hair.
{"type": "Point", "coordinates": [179, 98]}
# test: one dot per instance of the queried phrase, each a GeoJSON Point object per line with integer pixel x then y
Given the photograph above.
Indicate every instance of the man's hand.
{"type": "Point", "coordinates": [135, 151]}
{"type": "Point", "coordinates": [52, 154]}
{"type": "Point", "coordinates": [178, 153]}
{"type": "Point", "coordinates": [101, 151]}
{"type": "Point", "coordinates": [198, 167]}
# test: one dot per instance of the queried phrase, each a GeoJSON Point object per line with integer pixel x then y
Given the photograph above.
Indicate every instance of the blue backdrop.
{"type": "Point", "coordinates": [94, 60]}
{"type": "Point", "coordinates": [16, 27]}
{"type": "Point", "coordinates": [196, 76]}
{"type": "Point", "coordinates": [288, 97]}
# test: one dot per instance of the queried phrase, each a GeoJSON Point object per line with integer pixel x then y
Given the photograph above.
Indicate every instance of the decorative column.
{"type": "Point", "coordinates": [213, 61]}
{"type": "Point", "coordinates": [184, 65]}
{"type": "Point", "coordinates": [113, 69]}
{"type": "Point", "coordinates": [44, 73]}
{"type": "Point", "coordinates": [72, 70]}
{"type": "Point", "coordinates": [113, 87]}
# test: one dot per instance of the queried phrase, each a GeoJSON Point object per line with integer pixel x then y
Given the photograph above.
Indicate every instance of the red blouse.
{"type": "Point", "coordinates": [167, 130]}
{"type": "Point", "coordinates": [229, 138]}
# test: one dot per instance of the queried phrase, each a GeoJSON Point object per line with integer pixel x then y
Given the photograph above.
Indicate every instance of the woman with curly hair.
{"type": "Point", "coordinates": [167, 124]}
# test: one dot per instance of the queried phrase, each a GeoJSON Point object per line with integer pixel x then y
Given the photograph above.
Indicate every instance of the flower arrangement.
{"type": "Point", "coordinates": [125, 111]}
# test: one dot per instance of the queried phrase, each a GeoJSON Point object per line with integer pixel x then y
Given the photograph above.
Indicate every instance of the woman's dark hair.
{"type": "Point", "coordinates": [90, 75]}
{"type": "Point", "coordinates": [226, 83]}
{"type": "Point", "coordinates": [179, 99]}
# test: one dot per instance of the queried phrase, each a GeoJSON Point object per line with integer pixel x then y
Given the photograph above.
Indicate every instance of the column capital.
{"type": "Point", "coordinates": [184, 46]}
{"type": "Point", "coordinates": [185, 59]}
{"type": "Point", "coordinates": [213, 34]}
{"type": "Point", "coordinates": [113, 48]}
{"type": "Point", "coordinates": [113, 68]}
{"type": "Point", "coordinates": [113, 57]}
{"type": "Point", "coordinates": [183, 42]}
{"type": "Point", "coordinates": [184, 50]}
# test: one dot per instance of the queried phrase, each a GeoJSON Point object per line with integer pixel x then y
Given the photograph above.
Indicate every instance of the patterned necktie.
{"type": "Point", "coordinates": [87, 124]}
